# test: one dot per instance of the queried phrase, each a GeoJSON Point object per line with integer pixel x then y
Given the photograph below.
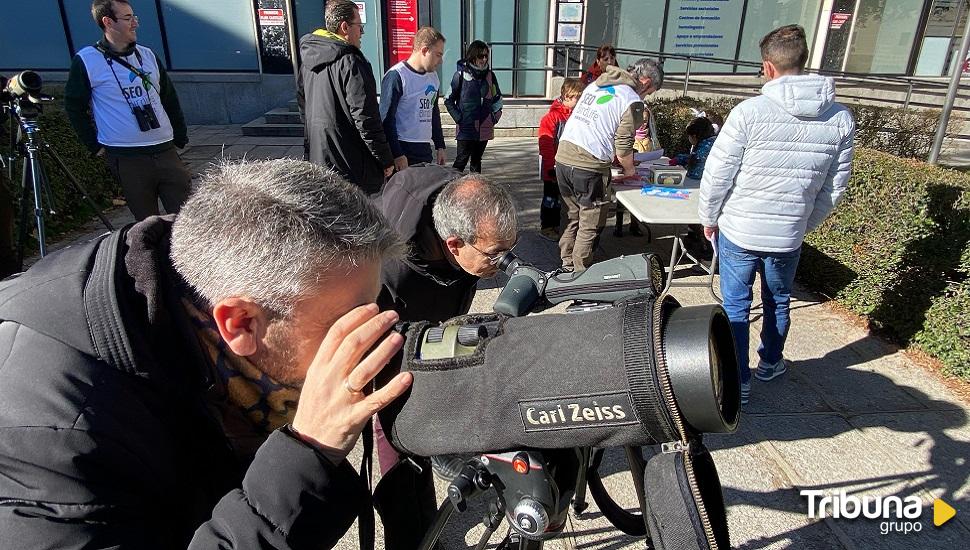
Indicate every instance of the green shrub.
{"type": "Point", "coordinates": [72, 211]}
{"type": "Point", "coordinates": [946, 333]}
{"type": "Point", "coordinates": [896, 249]}
{"type": "Point", "coordinates": [906, 133]}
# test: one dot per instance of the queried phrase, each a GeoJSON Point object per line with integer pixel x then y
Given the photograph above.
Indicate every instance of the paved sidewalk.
{"type": "Point", "coordinates": [853, 414]}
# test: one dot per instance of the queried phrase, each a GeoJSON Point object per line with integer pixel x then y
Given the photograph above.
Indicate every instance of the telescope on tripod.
{"type": "Point", "coordinates": [532, 402]}
{"type": "Point", "coordinates": [21, 97]}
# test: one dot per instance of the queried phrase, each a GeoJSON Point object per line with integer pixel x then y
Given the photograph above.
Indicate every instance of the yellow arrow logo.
{"type": "Point", "coordinates": [942, 512]}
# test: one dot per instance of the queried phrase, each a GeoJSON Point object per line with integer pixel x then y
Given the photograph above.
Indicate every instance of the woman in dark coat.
{"type": "Point", "coordinates": [475, 103]}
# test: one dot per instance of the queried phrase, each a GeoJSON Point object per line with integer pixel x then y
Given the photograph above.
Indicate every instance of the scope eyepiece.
{"type": "Point", "coordinates": [508, 262]}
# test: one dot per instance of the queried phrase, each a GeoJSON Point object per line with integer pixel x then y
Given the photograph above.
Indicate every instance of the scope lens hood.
{"type": "Point", "coordinates": [699, 348]}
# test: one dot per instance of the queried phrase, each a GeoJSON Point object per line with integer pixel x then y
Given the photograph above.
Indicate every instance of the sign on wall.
{"type": "Point", "coordinates": [271, 17]}
{"type": "Point", "coordinates": [402, 24]}
{"type": "Point", "coordinates": [274, 36]}
{"type": "Point", "coordinates": [703, 28]}
{"type": "Point", "coordinates": [569, 20]}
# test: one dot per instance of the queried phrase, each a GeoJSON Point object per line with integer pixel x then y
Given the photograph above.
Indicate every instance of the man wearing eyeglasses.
{"type": "Point", "coordinates": [137, 120]}
{"type": "Point", "coordinates": [337, 94]}
{"type": "Point", "coordinates": [457, 228]}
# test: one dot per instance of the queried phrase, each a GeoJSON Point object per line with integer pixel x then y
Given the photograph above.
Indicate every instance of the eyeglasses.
{"type": "Point", "coordinates": [483, 56]}
{"type": "Point", "coordinates": [494, 257]}
{"type": "Point", "coordinates": [127, 19]}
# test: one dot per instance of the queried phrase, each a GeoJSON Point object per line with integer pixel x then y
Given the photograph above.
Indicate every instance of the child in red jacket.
{"type": "Point", "coordinates": [550, 128]}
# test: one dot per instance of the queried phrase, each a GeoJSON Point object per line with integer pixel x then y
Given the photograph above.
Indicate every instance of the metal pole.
{"type": "Point", "coordinates": [687, 77]}
{"type": "Point", "coordinates": [951, 95]}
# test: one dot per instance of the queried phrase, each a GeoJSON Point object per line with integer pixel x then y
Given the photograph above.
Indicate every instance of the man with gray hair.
{"type": "Point", "coordinates": [457, 228]}
{"type": "Point", "coordinates": [198, 382]}
{"type": "Point", "coordinates": [603, 124]}
{"type": "Point", "coordinates": [337, 95]}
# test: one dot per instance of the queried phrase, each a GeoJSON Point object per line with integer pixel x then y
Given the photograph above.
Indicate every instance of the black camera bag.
{"type": "Point", "coordinates": [539, 382]}
{"type": "Point", "coordinates": [685, 507]}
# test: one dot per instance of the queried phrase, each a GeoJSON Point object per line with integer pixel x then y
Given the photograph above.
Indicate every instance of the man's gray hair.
{"type": "Point", "coordinates": [647, 68]}
{"type": "Point", "coordinates": [274, 230]}
{"type": "Point", "coordinates": [337, 12]}
{"type": "Point", "coordinates": [471, 204]}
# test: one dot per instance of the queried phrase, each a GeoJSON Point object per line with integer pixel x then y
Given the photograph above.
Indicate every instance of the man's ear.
{"type": "Point", "coordinates": [241, 323]}
{"type": "Point", "coordinates": [771, 72]}
{"type": "Point", "coordinates": [454, 244]}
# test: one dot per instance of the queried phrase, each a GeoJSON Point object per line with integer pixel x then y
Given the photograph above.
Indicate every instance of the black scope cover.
{"type": "Point", "coordinates": [543, 381]}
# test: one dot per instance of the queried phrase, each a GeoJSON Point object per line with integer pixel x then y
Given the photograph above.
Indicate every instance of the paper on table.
{"type": "Point", "coordinates": [664, 192]}
{"type": "Point", "coordinates": [649, 155]}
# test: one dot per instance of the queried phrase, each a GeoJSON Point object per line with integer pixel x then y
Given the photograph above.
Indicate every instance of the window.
{"type": "Point", "coordinates": [702, 28]}
{"type": "Point", "coordinates": [883, 36]}
{"type": "Point", "coordinates": [763, 16]}
{"type": "Point", "coordinates": [941, 38]}
{"type": "Point", "coordinates": [215, 35]}
{"type": "Point", "coordinates": [23, 47]}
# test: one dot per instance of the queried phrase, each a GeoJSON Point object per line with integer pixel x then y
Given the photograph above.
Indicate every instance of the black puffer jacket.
{"type": "Point", "coordinates": [338, 98]}
{"type": "Point", "coordinates": [105, 437]}
{"type": "Point", "coordinates": [426, 286]}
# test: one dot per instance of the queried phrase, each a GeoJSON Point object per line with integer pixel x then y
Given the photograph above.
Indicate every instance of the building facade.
{"type": "Point", "coordinates": [233, 59]}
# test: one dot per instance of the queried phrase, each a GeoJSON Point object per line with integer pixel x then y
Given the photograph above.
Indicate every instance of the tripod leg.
{"type": "Point", "coordinates": [37, 171]}
{"type": "Point", "coordinates": [637, 464]}
{"type": "Point", "coordinates": [491, 521]}
{"type": "Point", "coordinates": [579, 498]}
{"type": "Point", "coordinates": [77, 186]}
{"type": "Point", "coordinates": [444, 514]}
{"type": "Point", "coordinates": [22, 233]}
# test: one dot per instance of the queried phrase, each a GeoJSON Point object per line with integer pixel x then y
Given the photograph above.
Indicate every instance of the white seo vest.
{"type": "Point", "coordinates": [419, 92]}
{"type": "Point", "coordinates": [596, 117]}
{"type": "Point", "coordinates": [115, 89]}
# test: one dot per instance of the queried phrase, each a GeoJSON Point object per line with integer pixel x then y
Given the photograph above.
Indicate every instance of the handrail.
{"type": "Point", "coordinates": [576, 63]}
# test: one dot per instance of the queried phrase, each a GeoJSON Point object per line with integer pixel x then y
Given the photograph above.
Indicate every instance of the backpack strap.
{"type": "Point", "coordinates": [101, 305]}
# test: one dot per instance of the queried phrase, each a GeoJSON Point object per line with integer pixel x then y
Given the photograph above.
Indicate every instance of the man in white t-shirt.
{"type": "Point", "coordinates": [603, 124]}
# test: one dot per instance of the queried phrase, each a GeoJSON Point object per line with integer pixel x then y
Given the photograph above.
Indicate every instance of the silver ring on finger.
{"type": "Point", "coordinates": [350, 388]}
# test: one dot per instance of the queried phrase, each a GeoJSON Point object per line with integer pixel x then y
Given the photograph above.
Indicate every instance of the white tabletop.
{"type": "Point", "coordinates": [661, 210]}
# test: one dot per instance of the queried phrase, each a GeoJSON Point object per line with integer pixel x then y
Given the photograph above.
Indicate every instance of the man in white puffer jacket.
{"type": "Point", "coordinates": [777, 169]}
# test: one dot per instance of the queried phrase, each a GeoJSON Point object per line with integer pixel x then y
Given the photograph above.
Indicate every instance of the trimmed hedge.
{"type": "Point", "coordinates": [906, 133]}
{"type": "Point", "coordinates": [897, 250]}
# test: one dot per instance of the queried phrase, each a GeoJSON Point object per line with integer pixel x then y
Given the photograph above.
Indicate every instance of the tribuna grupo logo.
{"type": "Point", "coordinates": [899, 515]}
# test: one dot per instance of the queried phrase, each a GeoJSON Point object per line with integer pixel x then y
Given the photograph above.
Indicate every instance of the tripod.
{"type": "Point", "coordinates": [533, 491]}
{"type": "Point", "coordinates": [34, 179]}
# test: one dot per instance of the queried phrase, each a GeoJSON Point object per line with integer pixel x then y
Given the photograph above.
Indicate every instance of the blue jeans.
{"type": "Point", "coordinates": [738, 267]}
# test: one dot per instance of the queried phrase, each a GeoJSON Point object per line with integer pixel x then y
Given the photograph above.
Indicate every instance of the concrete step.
{"type": "Point", "coordinates": [260, 127]}
{"type": "Point", "coordinates": [283, 115]}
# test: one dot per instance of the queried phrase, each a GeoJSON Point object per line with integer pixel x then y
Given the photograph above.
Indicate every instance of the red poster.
{"type": "Point", "coordinates": [402, 18]}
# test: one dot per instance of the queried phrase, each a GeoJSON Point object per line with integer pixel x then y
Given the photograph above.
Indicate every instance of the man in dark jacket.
{"type": "Point", "coordinates": [457, 228]}
{"type": "Point", "coordinates": [337, 94]}
{"type": "Point", "coordinates": [192, 383]}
